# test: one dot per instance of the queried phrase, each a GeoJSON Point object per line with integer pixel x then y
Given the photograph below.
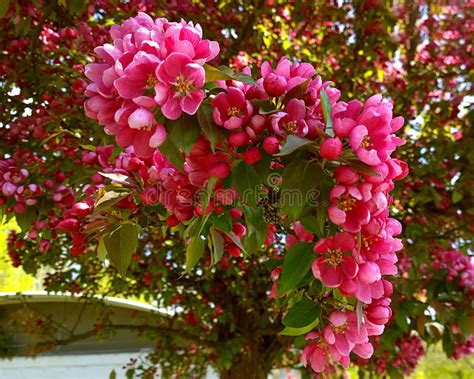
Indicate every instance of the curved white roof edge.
{"type": "Point", "coordinates": [44, 296]}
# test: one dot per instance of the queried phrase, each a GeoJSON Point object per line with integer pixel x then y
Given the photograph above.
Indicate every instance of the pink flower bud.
{"type": "Point", "coordinates": [238, 139]}
{"type": "Point", "coordinates": [172, 221]}
{"type": "Point", "coordinates": [220, 170]}
{"type": "Point", "coordinates": [201, 147]}
{"type": "Point", "coordinates": [275, 85]}
{"type": "Point", "coordinates": [68, 225]}
{"type": "Point", "coordinates": [271, 145]}
{"type": "Point", "coordinates": [369, 272]}
{"type": "Point", "coordinates": [48, 184]}
{"type": "Point", "coordinates": [236, 213]}
{"type": "Point", "coordinates": [238, 229]}
{"type": "Point", "coordinates": [44, 245]}
{"type": "Point", "coordinates": [346, 175]}
{"type": "Point", "coordinates": [233, 250]}
{"type": "Point", "coordinates": [378, 314]}
{"type": "Point", "coordinates": [89, 157]}
{"type": "Point", "coordinates": [8, 189]}
{"type": "Point", "coordinates": [330, 148]}
{"type": "Point", "coordinates": [252, 155]}
{"type": "Point", "coordinates": [81, 209]}
{"type": "Point", "coordinates": [257, 123]}
{"type": "Point", "coordinates": [20, 207]}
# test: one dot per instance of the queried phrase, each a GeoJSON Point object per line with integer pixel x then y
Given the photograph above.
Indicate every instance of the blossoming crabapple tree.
{"type": "Point", "coordinates": [208, 182]}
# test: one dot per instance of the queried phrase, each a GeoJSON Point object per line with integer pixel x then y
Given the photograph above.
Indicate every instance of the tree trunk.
{"type": "Point", "coordinates": [256, 362]}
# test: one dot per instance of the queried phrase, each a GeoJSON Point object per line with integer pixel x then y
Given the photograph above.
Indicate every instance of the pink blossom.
{"type": "Point", "coordinates": [348, 208]}
{"type": "Point", "coordinates": [231, 109]}
{"type": "Point", "coordinates": [286, 74]}
{"type": "Point", "coordinates": [336, 263]}
{"type": "Point", "coordinates": [179, 88]}
{"type": "Point", "coordinates": [292, 120]}
{"type": "Point", "coordinates": [330, 148]}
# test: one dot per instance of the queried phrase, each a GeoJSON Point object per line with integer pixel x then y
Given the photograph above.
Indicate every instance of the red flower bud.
{"type": "Point", "coordinates": [271, 145]}
{"type": "Point", "coordinates": [219, 170]}
{"type": "Point", "coordinates": [68, 225]}
{"type": "Point", "coordinates": [275, 85]}
{"type": "Point", "coordinates": [252, 155]}
{"type": "Point", "coordinates": [331, 148]}
{"type": "Point", "coordinates": [238, 139]}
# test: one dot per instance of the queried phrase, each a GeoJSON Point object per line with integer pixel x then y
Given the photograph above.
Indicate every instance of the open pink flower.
{"type": "Point", "coordinates": [231, 110]}
{"type": "Point", "coordinates": [285, 76]}
{"type": "Point", "coordinates": [344, 333]}
{"type": "Point", "coordinates": [348, 208]}
{"type": "Point", "coordinates": [337, 262]}
{"type": "Point", "coordinates": [292, 120]}
{"type": "Point", "coordinates": [179, 88]}
{"type": "Point", "coordinates": [138, 77]}
{"type": "Point", "coordinates": [186, 38]}
{"type": "Point", "coordinates": [371, 138]}
{"type": "Point", "coordinates": [321, 355]}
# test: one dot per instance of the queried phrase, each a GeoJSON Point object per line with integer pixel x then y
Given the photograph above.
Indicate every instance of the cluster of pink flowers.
{"type": "Point", "coordinates": [237, 110]}
{"type": "Point", "coordinates": [457, 265]}
{"type": "Point", "coordinates": [356, 259]}
{"type": "Point", "coordinates": [151, 66]}
{"type": "Point", "coordinates": [153, 180]}
{"type": "Point", "coordinates": [465, 348]}
{"type": "Point", "coordinates": [404, 356]}
{"type": "Point", "coordinates": [154, 70]}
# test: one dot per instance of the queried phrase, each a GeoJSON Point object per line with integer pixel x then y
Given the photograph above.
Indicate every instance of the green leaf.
{"type": "Point", "coordinates": [101, 250]}
{"type": "Point", "coordinates": [109, 199]}
{"type": "Point", "coordinates": [25, 219]}
{"type": "Point", "coordinates": [237, 242]}
{"type": "Point", "coordinates": [223, 222]}
{"type": "Point", "coordinates": [296, 264]}
{"type": "Point", "coordinates": [194, 252]}
{"type": "Point", "coordinates": [297, 92]}
{"type": "Point", "coordinates": [322, 207]}
{"type": "Point", "coordinates": [457, 197]}
{"type": "Point", "coordinates": [310, 223]}
{"type": "Point", "coordinates": [299, 186]}
{"type": "Point", "coordinates": [327, 109]}
{"type": "Point", "coordinates": [112, 375]}
{"type": "Point", "coordinates": [247, 183]}
{"type": "Point", "coordinates": [213, 74]}
{"type": "Point", "coordinates": [210, 130]}
{"type": "Point", "coordinates": [205, 197]}
{"type": "Point", "coordinates": [184, 132]}
{"type": "Point", "coordinates": [225, 73]}
{"type": "Point", "coordinates": [292, 144]}
{"type": "Point", "coordinates": [121, 244]}
{"type": "Point", "coordinates": [362, 168]}
{"type": "Point", "coordinates": [217, 247]}
{"type": "Point", "coordinates": [171, 151]}
{"type": "Point", "coordinates": [76, 6]}
{"type": "Point", "coordinates": [288, 331]}
{"type": "Point", "coordinates": [4, 6]}
{"type": "Point", "coordinates": [302, 314]}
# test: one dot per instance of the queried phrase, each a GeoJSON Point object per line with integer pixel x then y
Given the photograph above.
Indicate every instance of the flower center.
{"type": "Point", "coordinates": [183, 86]}
{"type": "Point", "coordinates": [340, 329]}
{"type": "Point", "coordinates": [366, 142]}
{"type": "Point", "coordinates": [334, 257]}
{"type": "Point", "coordinates": [151, 81]}
{"type": "Point", "coordinates": [291, 126]}
{"type": "Point", "coordinates": [368, 241]}
{"type": "Point", "coordinates": [346, 202]}
{"type": "Point", "coordinates": [232, 111]}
